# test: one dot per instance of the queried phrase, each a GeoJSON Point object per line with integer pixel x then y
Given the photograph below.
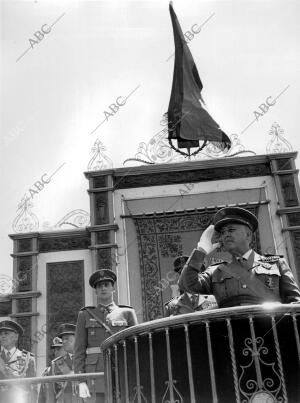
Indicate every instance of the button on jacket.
{"type": "Point", "coordinates": [90, 334]}
{"type": "Point", "coordinates": [274, 274]}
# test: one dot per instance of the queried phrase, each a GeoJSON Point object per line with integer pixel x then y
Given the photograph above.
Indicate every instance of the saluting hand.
{"type": "Point", "coordinates": [205, 244]}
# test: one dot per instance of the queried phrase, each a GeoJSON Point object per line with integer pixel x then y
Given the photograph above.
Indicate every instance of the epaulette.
{"type": "Point", "coordinates": [25, 352]}
{"type": "Point", "coordinates": [84, 307]}
{"type": "Point", "coordinates": [270, 258]}
{"type": "Point", "coordinates": [217, 264]}
{"type": "Point", "coordinates": [125, 306]}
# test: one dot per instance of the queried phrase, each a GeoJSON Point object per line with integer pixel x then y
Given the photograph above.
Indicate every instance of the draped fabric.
{"type": "Point", "coordinates": [187, 117]}
{"type": "Point", "coordinates": [161, 238]}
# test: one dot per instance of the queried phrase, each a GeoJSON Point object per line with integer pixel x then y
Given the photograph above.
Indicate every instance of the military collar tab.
{"type": "Point", "coordinates": [270, 258]}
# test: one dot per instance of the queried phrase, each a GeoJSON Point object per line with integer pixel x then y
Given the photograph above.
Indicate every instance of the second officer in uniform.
{"type": "Point", "coordinates": [94, 325]}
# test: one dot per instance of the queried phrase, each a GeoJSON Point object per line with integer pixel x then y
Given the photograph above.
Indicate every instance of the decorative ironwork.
{"type": "Point", "coordinates": [214, 152]}
{"type": "Point", "coordinates": [74, 219]}
{"type": "Point", "coordinates": [261, 389]}
{"type": "Point", "coordinates": [99, 159]}
{"type": "Point", "coordinates": [277, 144]}
{"type": "Point", "coordinates": [158, 150]}
{"type": "Point", "coordinates": [26, 220]}
{"type": "Point", "coordinates": [177, 396]}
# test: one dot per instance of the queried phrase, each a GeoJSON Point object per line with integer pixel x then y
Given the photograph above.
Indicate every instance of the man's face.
{"type": "Point", "coordinates": [105, 289]}
{"type": "Point", "coordinates": [235, 238]}
{"type": "Point", "coordinates": [8, 338]}
{"type": "Point", "coordinates": [68, 341]}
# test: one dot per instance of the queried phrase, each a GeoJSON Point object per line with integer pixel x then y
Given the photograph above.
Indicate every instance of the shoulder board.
{"type": "Point", "coordinates": [25, 352]}
{"type": "Point", "coordinates": [217, 264]}
{"type": "Point", "coordinates": [125, 306]}
{"type": "Point", "coordinates": [84, 307]}
{"type": "Point", "coordinates": [270, 258]}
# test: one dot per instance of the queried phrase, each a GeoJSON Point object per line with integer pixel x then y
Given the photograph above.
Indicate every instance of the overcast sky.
{"type": "Point", "coordinates": [63, 63]}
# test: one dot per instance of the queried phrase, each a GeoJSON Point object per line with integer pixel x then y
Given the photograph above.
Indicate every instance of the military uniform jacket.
{"type": "Point", "coordinates": [183, 304]}
{"type": "Point", "coordinates": [64, 392]}
{"type": "Point", "coordinates": [20, 365]}
{"type": "Point", "coordinates": [273, 272]}
{"type": "Point", "coordinates": [90, 334]}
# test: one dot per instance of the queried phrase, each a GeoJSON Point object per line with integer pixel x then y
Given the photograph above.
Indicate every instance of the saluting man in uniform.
{"type": "Point", "coordinates": [14, 363]}
{"type": "Point", "coordinates": [94, 325]}
{"type": "Point", "coordinates": [187, 302]}
{"type": "Point", "coordinates": [63, 365]}
{"type": "Point", "coordinates": [249, 278]}
{"type": "Point", "coordinates": [45, 395]}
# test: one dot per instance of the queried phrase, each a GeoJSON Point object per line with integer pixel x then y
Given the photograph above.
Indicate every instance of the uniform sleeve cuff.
{"type": "Point", "coordinates": [196, 259]}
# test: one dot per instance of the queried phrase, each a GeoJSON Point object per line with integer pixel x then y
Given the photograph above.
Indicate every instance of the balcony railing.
{"type": "Point", "coordinates": [25, 390]}
{"type": "Point", "coordinates": [242, 354]}
{"type": "Point", "coordinates": [245, 354]}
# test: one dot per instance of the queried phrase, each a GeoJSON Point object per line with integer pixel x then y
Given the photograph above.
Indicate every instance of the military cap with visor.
{"type": "Point", "coordinates": [66, 328]}
{"type": "Point", "coordinates": [12, 326]}
{"type": "Point", "coordinates": [102, 275]}
{"type": "Point", "coordinates": [235, 215]}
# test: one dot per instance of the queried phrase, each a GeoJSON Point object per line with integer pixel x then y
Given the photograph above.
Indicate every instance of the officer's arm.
{"type": "Point", "coordinates": [289, 290]}
{"type": "Point", "coordinates": [132, 320]}
{"type": "Point", "coordinates": [193, 278]}
{"type": "Point", "coordinates": [80, 344]}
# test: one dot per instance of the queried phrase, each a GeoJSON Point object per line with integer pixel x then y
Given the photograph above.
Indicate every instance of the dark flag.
{"type": "Point", "coordinates": [188, 121]}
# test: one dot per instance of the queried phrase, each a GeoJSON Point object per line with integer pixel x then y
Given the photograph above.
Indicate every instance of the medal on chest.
{"type": "Point", "coordinates": [270, 282]}
{"type": "Point", "coordinates": [20, 364]}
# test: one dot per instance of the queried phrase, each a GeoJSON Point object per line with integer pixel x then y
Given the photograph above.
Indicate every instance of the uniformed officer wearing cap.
{"type": "Point", "coordinates": [46, 394]}
{"type": "Point", "coordinates": [187, 302]}
{"type": "Point", "coordinates": [14, 363]}
{"type": "Point", "coordinates": [64, 392]}
{"type": "Point", "coordinates": [249, 278]}
{"type": "Point", "coordinates": [94, 325]}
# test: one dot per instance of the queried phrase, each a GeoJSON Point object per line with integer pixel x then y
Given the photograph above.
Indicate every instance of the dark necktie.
{"type": "Point", "coordinates": [8, 355]}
